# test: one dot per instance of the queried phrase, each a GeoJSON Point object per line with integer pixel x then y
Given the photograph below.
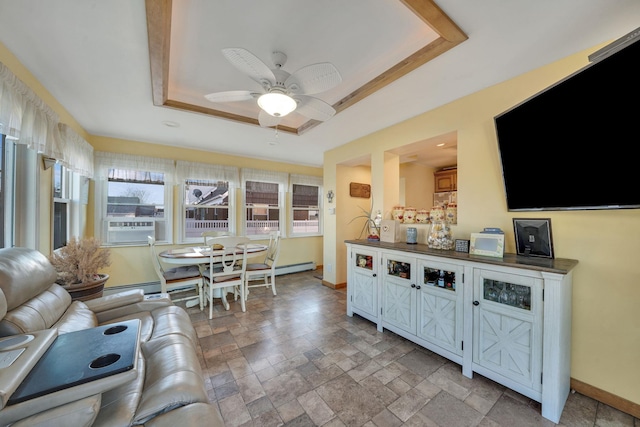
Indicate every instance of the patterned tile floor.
{"type": "Point", "coordinates": [297, 359]}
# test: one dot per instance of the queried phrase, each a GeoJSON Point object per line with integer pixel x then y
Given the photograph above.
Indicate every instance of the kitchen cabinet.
{"type": "Point", "coordinates": [445, 180]}
{"type": "Point", "coordinates": [508, 319]}
{"type": "Point", "coordinates": [399, 293]}
{"type": "Point", "coordinates": [362, 297]}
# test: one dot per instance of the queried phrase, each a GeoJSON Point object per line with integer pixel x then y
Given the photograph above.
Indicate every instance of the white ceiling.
{"type": "Point", "coordinates": [93, 57]}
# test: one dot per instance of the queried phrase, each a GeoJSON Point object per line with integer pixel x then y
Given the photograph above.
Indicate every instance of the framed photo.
{"type": "Point", "coordinates": [487, 244]}
{"type": "Point", "coordinates": [533, 237]}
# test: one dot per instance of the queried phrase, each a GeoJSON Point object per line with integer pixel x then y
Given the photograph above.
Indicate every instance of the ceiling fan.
{"type": "Point", "coordinates": [282, 92]}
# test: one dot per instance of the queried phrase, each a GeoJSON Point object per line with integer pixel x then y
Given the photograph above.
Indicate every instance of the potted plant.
{"type": "Point", "coordinates": [78, 263]}
{"type": "Point", "coordinates": [371, 224]}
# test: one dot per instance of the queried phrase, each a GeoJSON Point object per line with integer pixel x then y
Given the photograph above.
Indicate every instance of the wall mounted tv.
{"type": "Point", "coordinates": [573, 145]}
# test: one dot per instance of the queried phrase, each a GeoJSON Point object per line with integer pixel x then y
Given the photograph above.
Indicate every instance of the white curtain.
{"type": "Point", "coordinates": [281, 178]}
{"type": "Point", "coordinates": [207, 172]}
{"type": "Point", "coordinates": [306, 180]}
{"type": "Point", "coordinates": [25, 118]}
{"type": "Point", "coordinates": [105, 161]}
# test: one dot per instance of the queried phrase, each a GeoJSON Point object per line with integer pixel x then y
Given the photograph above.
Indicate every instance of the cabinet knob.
{"type": "Point", "coordinates": [374, 274]}
{"type": "Point", "coordinates": [418, 287]}
{"type": "Point", "coordinates": [476, 303]}
{"type": "Point", "coordinates": [413, 285]}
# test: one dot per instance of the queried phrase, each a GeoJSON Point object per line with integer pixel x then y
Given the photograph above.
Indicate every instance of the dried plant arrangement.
{"type": "Point", "coordinates": [79, 260]}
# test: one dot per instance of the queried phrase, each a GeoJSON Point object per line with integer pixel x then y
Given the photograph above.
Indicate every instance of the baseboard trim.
{"type": "Point", "coordinates": [607, 398]}
{"type": "Point", "coordinates": [334, 286]}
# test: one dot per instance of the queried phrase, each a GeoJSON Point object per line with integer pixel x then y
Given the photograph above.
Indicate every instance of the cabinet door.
{"type": "Point", "coordinates": [364, 283]}
{"type": "Point", "coordinates": [445, 180]}
{"type": "Point", "coordinates": [507, 327]}
{"type": "Point", "coordinates": [398, 292]}
{"type": "Point", "coordinates": [440, 313]}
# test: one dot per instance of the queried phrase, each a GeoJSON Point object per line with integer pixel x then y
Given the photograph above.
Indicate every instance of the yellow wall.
{"type": "Point", "coordinates": [605, 339]}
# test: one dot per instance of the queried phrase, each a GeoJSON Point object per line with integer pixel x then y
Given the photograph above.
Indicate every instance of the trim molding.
{"type": "Point", "coordinates": [605, 397]}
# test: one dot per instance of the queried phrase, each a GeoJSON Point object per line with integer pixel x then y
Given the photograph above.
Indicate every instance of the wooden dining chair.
{"type": "Point", "coordinates": [207, 235]}
{"type": "Point", "coordinates": [178, 279]}
{"type": "Point", "coordinates": [264, 271]}
{"type": "Point", "coordinates": [227, 272]}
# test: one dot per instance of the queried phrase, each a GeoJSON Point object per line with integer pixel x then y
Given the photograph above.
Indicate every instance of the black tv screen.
{"type": "Point", "coordinates": [573, 145]}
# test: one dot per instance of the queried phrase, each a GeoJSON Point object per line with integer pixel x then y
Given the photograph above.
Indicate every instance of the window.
{"type": "Point", "coordinates": [263, 202]}
{"type": "Point", "coordinates": [208, 198]}
{"type": "Point", "coordinates": [5, 230]}
{"type": "Point", "coordinates": [306, 194]}
{"type": "Point", "coordinates": [133, 198]}
{"type": "Point", "coordinates": [61, 205]}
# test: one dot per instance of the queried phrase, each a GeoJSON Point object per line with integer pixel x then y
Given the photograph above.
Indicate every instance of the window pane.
{"type": "Point", "coordinates": [59, 224]}
{"type": "Point", "coordinates": [206, 207]}
{"type": "Point", "coordinates": [305, 203]}
{"type": "Point", "coordinates": [2, 190]}
{"type": "Point", "coordinates": [135, 194]}
{"type": "Point", "coordinates": [262, 207]}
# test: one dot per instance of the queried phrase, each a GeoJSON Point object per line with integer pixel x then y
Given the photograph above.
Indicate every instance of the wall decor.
{"type": "Point", "coordinates": [330, 196]}
{"type": "Point", "coordinates": [533, 237]}
{"type": "Point", "coordinates": [359, 190]}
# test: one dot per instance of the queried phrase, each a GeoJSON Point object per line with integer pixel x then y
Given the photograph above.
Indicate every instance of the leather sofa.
{"type": "Point", "coordinates": [166, 388]}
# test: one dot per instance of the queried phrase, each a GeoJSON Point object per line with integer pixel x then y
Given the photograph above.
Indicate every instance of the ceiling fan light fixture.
{"type": "Point", "coordinates": [277, 104]}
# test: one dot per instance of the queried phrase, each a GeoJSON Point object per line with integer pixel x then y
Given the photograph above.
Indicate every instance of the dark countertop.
{"type": "Point", "coordinates": [555, 265]}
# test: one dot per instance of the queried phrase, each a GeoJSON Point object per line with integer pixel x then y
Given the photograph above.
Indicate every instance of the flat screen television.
{"type": "Point", "coordinates": [573, 145]}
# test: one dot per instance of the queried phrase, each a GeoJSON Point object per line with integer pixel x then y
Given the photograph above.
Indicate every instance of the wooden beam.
{"type": "Point", "coordinates": [159, 29]}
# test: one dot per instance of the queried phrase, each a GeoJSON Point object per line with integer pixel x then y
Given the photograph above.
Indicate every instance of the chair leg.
{"type": "Point", "coordinates": [273, 283]}
{"type": "Point", "coordinates": [223, 297]}
{"type": "Point", "coordinates": [210, 298]}
{"type": "Point", "coordinates": [243, 297]}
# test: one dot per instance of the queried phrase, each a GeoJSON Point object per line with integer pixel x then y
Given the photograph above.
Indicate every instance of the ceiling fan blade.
{"type": "Point", "coordinates": [314, 108]}
{"type": "Point", "coordinates": [250, 64]}
{"type": "Point", "coordinates": [313, 78]}
{"type": "Point", "coordinates": [266, 120]}
{"type": "Point", "coordinates": [232, 96]}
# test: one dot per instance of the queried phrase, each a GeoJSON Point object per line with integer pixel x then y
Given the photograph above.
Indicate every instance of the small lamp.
{"type": "Point", "coordinates": [277, 103]}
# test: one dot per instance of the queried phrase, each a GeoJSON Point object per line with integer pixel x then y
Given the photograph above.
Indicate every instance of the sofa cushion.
{"type": "Point", "coordinates": [173, 377]}
{"type": "Point", "coordinates": [76, 318]}
{"type": "Point", "coordinates": [79, 413]}
{"type": "Point", "coordinates": [119, 405]}
{"type": "Point", "coordinates": [173, 320]}
{"type": "Point", "coordinates": [24, 273]}
{"type": "Point", "coordinates": [39, 312]}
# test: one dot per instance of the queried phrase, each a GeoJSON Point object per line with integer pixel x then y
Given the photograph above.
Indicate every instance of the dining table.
{"type": "Point", "coordinates": [200, 255]}
{"type": "Point", "coordinates": [197, 255]}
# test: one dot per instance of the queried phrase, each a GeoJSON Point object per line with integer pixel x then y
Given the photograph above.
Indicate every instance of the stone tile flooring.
{"type": "Point", "coordinates": [297, 359]}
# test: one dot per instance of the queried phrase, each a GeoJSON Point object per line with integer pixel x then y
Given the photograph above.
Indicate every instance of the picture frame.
{"type": "Point", "coordinates": [533, 237]}
{"type": "Point", "coordinates": [487, 244]}
{"type": "Point", "coordinates": [357, 189]}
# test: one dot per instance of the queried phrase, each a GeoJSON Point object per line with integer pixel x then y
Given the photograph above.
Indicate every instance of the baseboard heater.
{"type": "Point", "coordinates": [154, 287]}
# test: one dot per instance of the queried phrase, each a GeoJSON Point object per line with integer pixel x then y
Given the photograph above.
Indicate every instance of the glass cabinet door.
{"type": "Point", "coordinates": [511, 294]}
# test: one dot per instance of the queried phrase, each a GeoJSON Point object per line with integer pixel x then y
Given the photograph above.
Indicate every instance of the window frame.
{"type": "Point", "coordinates": [271, 177]}
{"type": "Point", "coordinates": [311, 181]}
{"type": "Point", "coordinates": [106, 161]}
{"type": "Point", "coordinates": [208, 174]}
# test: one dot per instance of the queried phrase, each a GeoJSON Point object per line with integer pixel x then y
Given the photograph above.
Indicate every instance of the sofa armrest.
{"type": "Point", "coordinates": [120, 299]}
{"type": "Point", "coordinates": [195, 414]}
{"type": "Point", "coordinates": [126, 303]}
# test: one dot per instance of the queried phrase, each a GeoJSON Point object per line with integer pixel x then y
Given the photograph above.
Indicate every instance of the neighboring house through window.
{"type": "Point", "coordinates": [263, 202]}
{"type": "Point", "coordinates": [208, 198]}
{"type": "Point", "coordinates": [306, 198]}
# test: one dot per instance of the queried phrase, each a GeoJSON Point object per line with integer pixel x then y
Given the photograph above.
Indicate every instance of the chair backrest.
{"type": "Point", "coordinates": [273, 251]}
{"type": "Point", "coordinates": [207, 235]}
{"type": "Point", "coordinates": [233, 259]}
{"type": "Point", "coordinates": [154, 257]}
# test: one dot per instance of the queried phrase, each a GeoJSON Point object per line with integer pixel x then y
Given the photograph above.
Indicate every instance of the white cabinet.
{"type": "Point", "coordinates": [440, 311]}
{"type": "Point", "coordinates": [507, 319]}
{"type": "Point", "coordinates": [507, 329]}
{"type": "Point", "coordinates": [399, 293]}
{"type": "Point", "coordinates": [362, 292]}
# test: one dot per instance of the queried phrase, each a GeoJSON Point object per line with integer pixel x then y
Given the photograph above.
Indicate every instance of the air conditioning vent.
{"type": "Point", "coordinates": [129, 230]}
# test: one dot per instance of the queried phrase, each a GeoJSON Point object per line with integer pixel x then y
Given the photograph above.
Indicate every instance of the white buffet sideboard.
{"type": "Point", "coordinates": [508, 319]}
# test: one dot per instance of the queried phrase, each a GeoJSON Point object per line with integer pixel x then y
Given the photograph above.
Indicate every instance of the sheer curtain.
{"type": "Point", "coordinates": [207, 172]}
{"type": "Point", "coordinates": [25, 118]}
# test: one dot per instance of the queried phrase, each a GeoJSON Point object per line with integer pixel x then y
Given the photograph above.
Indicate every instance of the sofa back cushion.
{"type": "Point", "coordinates": [24, 273]}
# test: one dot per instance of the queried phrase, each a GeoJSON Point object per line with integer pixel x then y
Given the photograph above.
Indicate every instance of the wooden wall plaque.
{"type": "Point", "coordinates": [359, 190]}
